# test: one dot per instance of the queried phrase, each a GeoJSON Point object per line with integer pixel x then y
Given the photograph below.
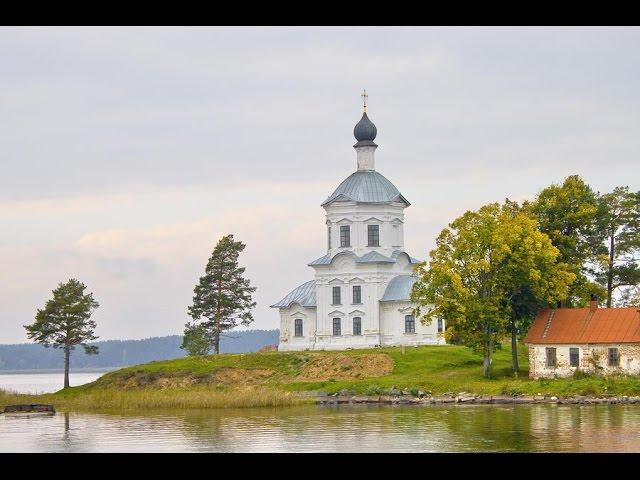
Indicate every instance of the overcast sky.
{"type": "Point", "coordinates": [126, 153]}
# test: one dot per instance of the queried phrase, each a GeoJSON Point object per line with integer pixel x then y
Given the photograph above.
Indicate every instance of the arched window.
{"type": "Point", "coordinates": [357, 326]}
{"type": "Point", "coordinates": [337, 330]}
{"type": "Point", "coordinates": [298, 327]}
{"type": "Point", "coordinates": [409, 324]}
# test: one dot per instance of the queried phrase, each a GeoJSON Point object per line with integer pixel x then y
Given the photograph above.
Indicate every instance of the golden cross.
{"type": "Point", "coordinates": [364, 100]}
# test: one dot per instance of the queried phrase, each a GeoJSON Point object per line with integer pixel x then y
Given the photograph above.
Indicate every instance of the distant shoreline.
{"type": "Point", "coordinates": [59, 370]}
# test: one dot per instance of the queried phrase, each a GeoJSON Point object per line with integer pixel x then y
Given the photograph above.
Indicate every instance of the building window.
{"type": "Point", "coordinates": [439, 325]}
{"type": "Point", "coordinates": [613, 357]}
{"type": "Point", "coordinates": [298, 327]}
{"type": "Point", "coordinates": [345, 236]}
{"type": "Point", "coordinates": [409, 324]}
{"type": "Point", "coordinates": [336, 327]}
{"type": "Point", "coordinates": [373, 236]}
{"type": "Point", "coordinates": [329, 237]}
{"type": "Point", "coordinates": [357, 294]}
{"type": "Point", "coordinates": [336, 296]}
{"type": "Point", "coordinates": [357, 326]}
{"type": "Point", "coordinates": [574, 357]}
{"type": "Point", "coordinates": [551, 357]}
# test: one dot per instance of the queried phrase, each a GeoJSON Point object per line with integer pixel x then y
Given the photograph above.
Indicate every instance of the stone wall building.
{"type": "Point", "coordinates": [595, 340]}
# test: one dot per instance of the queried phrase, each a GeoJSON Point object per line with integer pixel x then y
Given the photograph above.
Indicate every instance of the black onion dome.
{"type": "Point", "coordinates": [365, 131]}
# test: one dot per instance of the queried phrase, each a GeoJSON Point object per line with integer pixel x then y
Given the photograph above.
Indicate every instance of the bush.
{"type": "Point", "coordinates": [375, 390]}
{"type": "Point", "coordinates": [580, 374]}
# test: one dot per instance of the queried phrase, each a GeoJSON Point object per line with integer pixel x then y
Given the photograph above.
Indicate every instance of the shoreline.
{"type": "Point", "coordinates": [470, 399]}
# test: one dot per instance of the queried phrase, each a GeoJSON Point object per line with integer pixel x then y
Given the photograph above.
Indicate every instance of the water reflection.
{"type": "Point", "coordinates": [342, 429]}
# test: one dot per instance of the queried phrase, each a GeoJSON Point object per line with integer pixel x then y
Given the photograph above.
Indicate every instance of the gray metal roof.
{"type": "Point", "coordinates": [370, 257]}
{"type": "Point", "coordinates": [366, 186]}
{"type": "Point", "coordinates": [399, 289]}
{"type": "Point", "coordinates": [375, 257]}
{"type": "Point", "coordinates": [304, 295]}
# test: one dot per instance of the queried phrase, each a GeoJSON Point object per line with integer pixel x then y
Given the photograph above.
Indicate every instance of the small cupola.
{"type": "Point", "coordinates": [365, 132]}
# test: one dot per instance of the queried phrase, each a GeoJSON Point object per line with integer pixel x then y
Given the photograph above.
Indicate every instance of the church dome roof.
{"type": "Point", "coordinates": [304, 295]}
{"type": "Point", "coordinates": [365, 131]}
{"type": "Point", "coordinates": [366, 186]}
{"type": "Point", "coordinates": [399, 289]}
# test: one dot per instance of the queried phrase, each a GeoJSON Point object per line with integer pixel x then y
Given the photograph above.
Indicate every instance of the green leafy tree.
{"type": "Point", "coordinates": [481, 267]}
{"type": "Point", "coordinates": [568, 214]}
{"type": "Point", "coordinates": [196, 341]}
{"type": "Point", "coordinates": [222, 297]}
{"type": "Point", "coordinates": [65, 321]}
{"type": "Point", "coordinates": [619, 223]}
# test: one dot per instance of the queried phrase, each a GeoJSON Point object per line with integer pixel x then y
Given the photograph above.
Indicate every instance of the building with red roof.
{"type": "Point", "coordinates": [604, 340]}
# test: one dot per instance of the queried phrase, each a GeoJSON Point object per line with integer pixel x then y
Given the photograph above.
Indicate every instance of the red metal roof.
{"type": "Point", "coordinates": [581, 325]}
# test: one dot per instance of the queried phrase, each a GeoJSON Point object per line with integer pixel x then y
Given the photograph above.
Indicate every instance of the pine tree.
{"type": "Point", "coordinates": [619, 223]}
{"type": "Point", "coordinates": [222, 297]}
{"type": "Point", "coordinates": [65, 322]}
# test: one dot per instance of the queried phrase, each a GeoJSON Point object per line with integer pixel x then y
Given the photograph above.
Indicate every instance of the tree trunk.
{"type": "Point", "coordinates": [67, 352]}
{"type": "Point", "coordinates": [216, 341]}
{"type": "Point", "coordinates": [486, 363]}
{"type": "Point", "coordinates": [612, 247]}
{"type": "Point", "coordinates": [514, 349]}
{"type": "Point", "coordinates": [216, 331]}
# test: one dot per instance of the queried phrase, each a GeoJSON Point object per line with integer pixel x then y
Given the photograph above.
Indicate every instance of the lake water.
{"type": "Point", "coordinates": [45, 382]}
{"type": "Point", "coordinates": [357, 428]}
{"type": "Point", "coordinates": [343, 428]}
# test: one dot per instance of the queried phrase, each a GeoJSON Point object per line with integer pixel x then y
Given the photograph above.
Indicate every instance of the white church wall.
{"type": "Point", "coordinates": [389, 217]}
{"type": "Point", "coordinates": [288, 339]}
{"type": "Point", "coordinates": [393, 326]}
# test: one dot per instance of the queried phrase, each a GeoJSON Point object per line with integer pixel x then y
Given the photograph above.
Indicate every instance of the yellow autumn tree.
{"type": "Point", "coordinates": [485, 265]}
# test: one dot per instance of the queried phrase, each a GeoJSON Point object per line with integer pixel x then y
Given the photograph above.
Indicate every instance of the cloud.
{"type": "Point", "coordinates": [126, 153]}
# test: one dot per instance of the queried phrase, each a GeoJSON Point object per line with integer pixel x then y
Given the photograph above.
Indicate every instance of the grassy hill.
{"type": "Point", "coordinates": [278, 378]}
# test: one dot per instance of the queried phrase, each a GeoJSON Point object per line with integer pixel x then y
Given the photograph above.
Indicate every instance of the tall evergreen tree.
{"type": "Point", "coordinates": [619, 223]}
{"type": "Point", "coordinates": [568, 214]}
{"type": "Point", "coordinates": [222, 297]}
{"type": "Point", "coordinates": [65, 321]}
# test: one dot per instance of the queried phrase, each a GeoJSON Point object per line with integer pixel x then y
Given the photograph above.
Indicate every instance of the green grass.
{"type": "Point", "coordinates": [96, 399]}
{"type": "Point", "coordinates": [435, 369]}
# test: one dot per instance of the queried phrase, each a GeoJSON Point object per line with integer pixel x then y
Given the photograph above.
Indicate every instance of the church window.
{"type": "Point", "coordinates": [439, 325]}
{"type": "Point", "coordinates": [357, 326]}
{"type": "Point", "coordinates": [345, 236]}
{"type": "Point", "coordinates": [298, 327]}
{"type": "Point", "coordinates": [409, 324]}
{"type": "Point", "coordinates": [336, 296]}
{"type": "Point", "coordinates": [336, 327]}
{"type": "Point", "coordinates": [357, 294]}
{"type": "Point", "coordinates": [373, 235]}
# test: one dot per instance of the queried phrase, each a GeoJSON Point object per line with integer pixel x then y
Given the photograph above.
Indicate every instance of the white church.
{"type": "Point", "coordinates": [360, 296]}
